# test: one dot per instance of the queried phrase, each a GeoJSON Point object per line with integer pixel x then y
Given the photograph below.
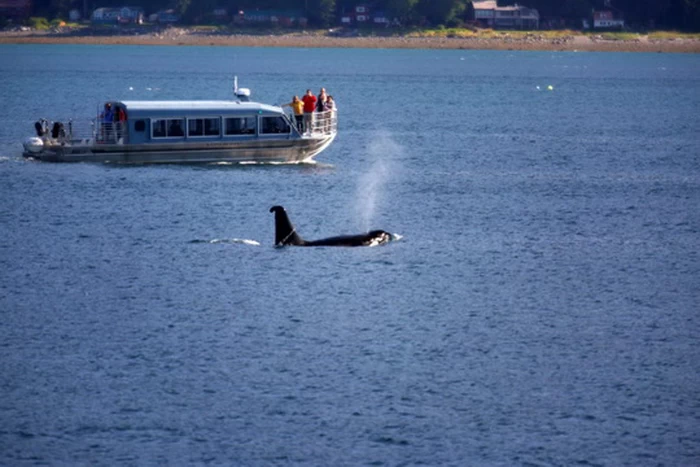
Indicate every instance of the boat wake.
{"type": "Point", "coordinates": [235, 241]}
{"type": "Point", "coordinates": [306, 163]}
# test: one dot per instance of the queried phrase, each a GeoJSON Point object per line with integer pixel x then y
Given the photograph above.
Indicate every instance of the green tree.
{"type": "Point", "coordinates": [181, 6]}
{"type": "Point", "coordinates": [440, 11]}
{"type": "Point", "coordinates": [321, 13]}
{"type": "Point", "coordinates": [574, 10]}
{"type": "Point", "coordinates": [59, 8]}
{"type": "Point", "coordinates": [404, 10]}
{"type": "Point", "coordinates": [691, 15]}
{"type": "Point", "coordinates": [642, 12]}
{"type": "Point", "coordinates": [200, 10]}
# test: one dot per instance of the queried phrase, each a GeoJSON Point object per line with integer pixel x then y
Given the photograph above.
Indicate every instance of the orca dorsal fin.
{"type": "Point", "coordinates": [284, 230]}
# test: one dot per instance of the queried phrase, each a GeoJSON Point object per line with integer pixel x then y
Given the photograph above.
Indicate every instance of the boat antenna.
{"type": "Point", "coordinates": [240, 94]}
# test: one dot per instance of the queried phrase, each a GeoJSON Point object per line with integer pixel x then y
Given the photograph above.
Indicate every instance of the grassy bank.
{"type": "Point", "coordinates": [441, 38]}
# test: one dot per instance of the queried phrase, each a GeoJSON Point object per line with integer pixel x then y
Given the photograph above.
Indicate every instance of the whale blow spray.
{"type": "Point", "coordinates": [383, 152]}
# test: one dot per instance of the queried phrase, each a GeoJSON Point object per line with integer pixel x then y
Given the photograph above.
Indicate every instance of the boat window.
{"type": "Point", "coordinates": [212, 127]}
{"type": "Point", "coordinates": [203, 126]}
{"type": "Point", "coordinates": [240, 126]}
{"type": "Point", "coordinates": [195, 127]}
{"type": "Point", "coordinates": [175, 127]}
{"type": "Point", "coordinates": [168, 128]}
{"type": "Point", "coordinates": [274, 125]}
{"type": "Point", "coordinates": [159, 127]}
{"type": "Point", "coordinates": [140, 125]}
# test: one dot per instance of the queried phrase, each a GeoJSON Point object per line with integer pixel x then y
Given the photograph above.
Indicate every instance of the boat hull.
{"type": "Point", "coordinates": [290, 150]}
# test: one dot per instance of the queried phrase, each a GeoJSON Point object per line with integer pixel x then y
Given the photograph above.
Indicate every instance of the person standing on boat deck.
{"type": "Point", "coordinates": [330, 107]}
{"type": "Point", "coordinates": [108, 123]}
{"type": "Point", "coordinates": [321, 108]}
{"type": "Point", "coordinates": [321, 100]}
{"type": "Point", "coordinates": [120, 122]}
{"type": "Point", "coordinates": [298, 107]}
{"type": "Point", "coordinates": [309, 107]}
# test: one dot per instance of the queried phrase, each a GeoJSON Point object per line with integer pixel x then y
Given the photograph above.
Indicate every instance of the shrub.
{"type": "Point", "coordinates": [455, 23]}
{"type": "Point", "coordinates": [38, 23]}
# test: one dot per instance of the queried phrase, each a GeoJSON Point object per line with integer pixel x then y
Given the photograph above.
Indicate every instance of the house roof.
{"type": "Point", "coordinates": [485, 5]}
{"type": "Point", "coordinates": [606, 14]}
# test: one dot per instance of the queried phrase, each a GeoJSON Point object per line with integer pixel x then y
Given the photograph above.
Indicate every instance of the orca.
{"type": "Point", "coordinates": [285, 234]}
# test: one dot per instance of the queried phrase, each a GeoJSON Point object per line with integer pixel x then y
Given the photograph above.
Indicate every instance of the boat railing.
{"type": "Point", "coordinates": [100, 132]}
{"type": "Point", "coordinates": [109, 132]}
{"type": "Point", "coordinates": [324, 123]}
{"type": "Point", "coordinates": [64, 131]}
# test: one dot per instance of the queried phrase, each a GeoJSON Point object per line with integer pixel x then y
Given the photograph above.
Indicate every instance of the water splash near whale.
{"type": "Point", "coordinates": [240, 241]}
{"type": "Point", "coordinates": [383, 153]}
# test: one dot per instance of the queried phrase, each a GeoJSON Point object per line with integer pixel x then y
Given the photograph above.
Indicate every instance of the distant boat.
{"type": "Point", "coordinates": [151, 132]}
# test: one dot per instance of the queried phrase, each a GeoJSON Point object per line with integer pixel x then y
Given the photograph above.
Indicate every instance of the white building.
{"type": "Point", "coordinates": [607, 20]}
{"type": "Point", "coordinates": [489, 14]}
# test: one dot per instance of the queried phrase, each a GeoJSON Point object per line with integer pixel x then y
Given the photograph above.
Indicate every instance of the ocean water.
{"type": "Point", "coordinates": [541, 307]}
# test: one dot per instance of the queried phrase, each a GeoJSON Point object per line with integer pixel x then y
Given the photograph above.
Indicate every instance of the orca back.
{"type": "Point", "coordinates": [285, 234]}
{"type": "Point", "coordinates": [373, 238]}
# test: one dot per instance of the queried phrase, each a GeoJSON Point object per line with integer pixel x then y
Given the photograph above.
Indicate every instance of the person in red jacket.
{"type": "Point", "coordinates": [120, 122]}
{"type": "Point", "coordinates": [309, 107]}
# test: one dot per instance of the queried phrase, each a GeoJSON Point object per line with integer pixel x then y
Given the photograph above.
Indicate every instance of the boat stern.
{"type": "Point", "coordinates": [33, 146]}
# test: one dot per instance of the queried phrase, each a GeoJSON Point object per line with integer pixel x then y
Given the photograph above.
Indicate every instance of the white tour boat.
{"type": "Point", "coordinates": [145, 132]}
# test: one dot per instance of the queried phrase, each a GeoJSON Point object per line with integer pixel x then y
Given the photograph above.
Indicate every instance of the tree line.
{"type": "Point", "coordinates": [638, 14]}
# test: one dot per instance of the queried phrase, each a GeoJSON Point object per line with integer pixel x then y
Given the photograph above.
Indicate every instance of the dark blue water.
{"type": "Point", "coordinates": [540, 309]}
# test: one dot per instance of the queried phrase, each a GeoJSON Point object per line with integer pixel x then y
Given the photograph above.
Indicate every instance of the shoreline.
{"type": "Point", "coordinates": [187, 37]}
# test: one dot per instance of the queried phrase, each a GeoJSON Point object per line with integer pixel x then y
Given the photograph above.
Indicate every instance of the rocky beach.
{"type": "Point", "coordinates": [535, 40]}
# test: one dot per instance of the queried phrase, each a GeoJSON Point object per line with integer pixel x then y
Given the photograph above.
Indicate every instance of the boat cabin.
{"type": "Point", "coordinates": [152, 122]}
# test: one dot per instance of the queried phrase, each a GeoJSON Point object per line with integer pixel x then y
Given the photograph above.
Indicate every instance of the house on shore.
{"type": "Point", "coordinates": [105, 16]}
{"type": "Point", "coordinates": [380, 18]}
{"type": "Point", "coordinates": [165, 17]}
{"type": "Point", "coordinates": [285, 18]}
{"type": "Point", "coordinates": [487, 13]}
{"type": "Point", "coordinates": [357, 15]}
{"type": "Point", "coordinates": [121, 15]}
{"type": "Point", "coordinates": [607, 19]}
{"type": "Point", "coordinates": [364, 14]}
